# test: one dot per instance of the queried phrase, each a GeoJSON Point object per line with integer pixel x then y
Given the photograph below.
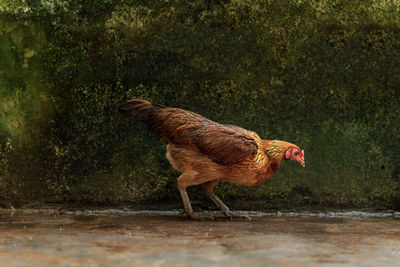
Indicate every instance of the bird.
{"type": "Point", "coordinates": [207, 153]}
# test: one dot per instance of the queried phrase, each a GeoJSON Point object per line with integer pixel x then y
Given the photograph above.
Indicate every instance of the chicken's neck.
{"type": "Point", "coordinates": [275, 150]}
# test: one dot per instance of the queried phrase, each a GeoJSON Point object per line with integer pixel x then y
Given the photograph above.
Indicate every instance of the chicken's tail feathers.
{"type": "Point", "coordinates": [140, 108]}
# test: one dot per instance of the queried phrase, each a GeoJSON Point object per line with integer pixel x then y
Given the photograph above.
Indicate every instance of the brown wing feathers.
{"type": "Point", "coordinates": [227, 144]}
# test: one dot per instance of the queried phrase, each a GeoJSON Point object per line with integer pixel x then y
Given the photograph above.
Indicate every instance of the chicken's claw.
{"type": "Point", "coordinates": [230, 214]}
{"type": "Point", "coordinates": [195, 217]}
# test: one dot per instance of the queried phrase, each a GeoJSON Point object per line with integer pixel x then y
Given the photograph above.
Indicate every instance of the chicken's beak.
{"type": "Point", "coordinates": [303, 163]}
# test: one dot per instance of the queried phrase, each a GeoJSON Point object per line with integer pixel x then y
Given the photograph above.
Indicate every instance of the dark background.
{"type": "Point", "coordinates": [324, 75]}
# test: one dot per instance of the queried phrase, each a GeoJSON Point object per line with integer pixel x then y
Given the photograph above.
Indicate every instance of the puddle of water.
{"type": "Point", "coordinates": [344, 214]}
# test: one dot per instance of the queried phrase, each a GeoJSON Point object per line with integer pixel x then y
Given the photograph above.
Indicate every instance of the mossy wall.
{"type": "Point", "coordinates": [324, 75]}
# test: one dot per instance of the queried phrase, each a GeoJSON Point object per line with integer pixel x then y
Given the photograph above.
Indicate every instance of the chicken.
{"type": "Point", "coordinates": [207, 152]}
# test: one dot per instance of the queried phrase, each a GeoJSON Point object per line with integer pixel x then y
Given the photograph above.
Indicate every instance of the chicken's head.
{"type": "Point", "coordinates": [296, 154]}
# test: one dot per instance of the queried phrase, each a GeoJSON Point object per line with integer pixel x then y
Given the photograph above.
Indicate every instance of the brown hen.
{"type": "Point", "coordinates": [207, 152]}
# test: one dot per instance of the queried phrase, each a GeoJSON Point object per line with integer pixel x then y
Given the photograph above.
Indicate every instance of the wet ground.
{"type": "Point", "coordinates": [120, 238]}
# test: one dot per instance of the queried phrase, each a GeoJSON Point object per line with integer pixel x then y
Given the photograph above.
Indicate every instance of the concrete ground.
{"type": "Point", "coordinates": [50, 238]}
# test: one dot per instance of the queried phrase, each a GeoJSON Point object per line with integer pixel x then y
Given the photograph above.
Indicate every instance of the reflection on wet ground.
{"type": "Point", "coordinates": [151, 238]}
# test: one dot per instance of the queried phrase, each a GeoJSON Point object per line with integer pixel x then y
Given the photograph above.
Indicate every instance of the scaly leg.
{"type": "Point", "coordinates": [186, 201]}
{"type": "Point", "coordinates": [186, 204]}
{"type": "Point", "coordinates": [224, 209]}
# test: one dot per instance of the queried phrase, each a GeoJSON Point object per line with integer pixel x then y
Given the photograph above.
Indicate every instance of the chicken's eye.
{"type": "Point", "coordinates": [296, 153]}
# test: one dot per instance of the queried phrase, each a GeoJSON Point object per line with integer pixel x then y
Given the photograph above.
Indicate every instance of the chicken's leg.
{"type": "Point", "coordinates": [224, 209]}
{"type": "Point", "coordinates": [188, 206]}
{"type": "Point", "coordinates": [186, 203]}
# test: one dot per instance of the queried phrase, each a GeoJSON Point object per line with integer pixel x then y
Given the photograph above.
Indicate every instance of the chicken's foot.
{"type": "Point", "coordinates": [224, 209]}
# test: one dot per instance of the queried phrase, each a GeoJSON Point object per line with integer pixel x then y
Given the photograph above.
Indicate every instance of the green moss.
{"type": "Point", "coordinates": [321, 74]}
